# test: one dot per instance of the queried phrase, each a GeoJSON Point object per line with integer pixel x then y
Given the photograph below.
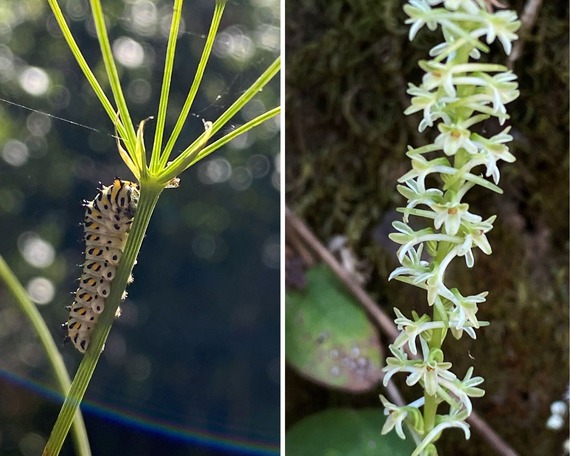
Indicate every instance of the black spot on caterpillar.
{"type": "Point", "coordinates": [107, 223]}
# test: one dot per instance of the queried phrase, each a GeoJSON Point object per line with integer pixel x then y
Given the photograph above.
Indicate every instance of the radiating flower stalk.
{"type": "Point", "coordinates": [457, 94]}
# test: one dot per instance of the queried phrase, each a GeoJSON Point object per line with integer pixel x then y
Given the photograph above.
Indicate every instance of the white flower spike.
{"type": "Point", "coordinates": [458, 92]}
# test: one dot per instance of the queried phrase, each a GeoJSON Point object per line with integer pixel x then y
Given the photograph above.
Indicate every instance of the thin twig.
{"type": "Point", "coordinates": [528, 19]}
{"type": "Point", "coordinates": [386, 325]}
{"type": "Point", "coordinates": [494, 439]}
{"type": "Point", "coordinates": [370, 306]}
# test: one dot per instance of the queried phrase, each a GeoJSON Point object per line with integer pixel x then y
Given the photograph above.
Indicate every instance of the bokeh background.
{"type": "Point", "coordinates": [348, 63]}
{"type": "Point", "coordinates": [192, 365]}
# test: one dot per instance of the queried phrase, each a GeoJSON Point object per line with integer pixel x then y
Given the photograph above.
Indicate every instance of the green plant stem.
{"type": "Point", "coordinates": [167, 77]}
{"type": "Point", "coordinates": [256, 87]}
{"type": "Point", "coordinates": [430, 405]}
{"type": "Point", "coordinates": [218, 12]}
{"type": "Point", "coordinates": [430, 410]}
{"type": "Point", "coordinates": [178, 166]}
{"type": "Point", "coordinates": [86, 70]}
{"type": "Point", "coordinates": [186, 157]}
{"type": "Point", "coordinates": [17, 290]}
{"type": "Point", "coordinates": [112, 74]}
{"type": "Point", "coordinates": [148, 198]}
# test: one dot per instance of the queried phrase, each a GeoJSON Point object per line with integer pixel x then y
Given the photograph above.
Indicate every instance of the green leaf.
{"type": "Point", "coordinates": [329, 338]}
{"type": "Point", "coordinates": [345, 432]}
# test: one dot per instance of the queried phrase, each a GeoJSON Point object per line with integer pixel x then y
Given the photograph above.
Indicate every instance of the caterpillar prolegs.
{"type": "Point", "coordinates": [107, 223]}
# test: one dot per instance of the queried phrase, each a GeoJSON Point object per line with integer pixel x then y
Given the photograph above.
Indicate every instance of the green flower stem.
{"type": "Point", "coordinates": [234, 133]}
{"type": "Point", "coordinates": [150, 191]}
{"type": "Point", "coordinates": [436, 341]}
{"type": "Point", "coordinates": [17, 290]}
{"type": "Point", "coordinates": [190, 155]}
{"type": "Point", "coordinates": [167, 77]}
{"type": "Point", "coordinates": [112, 72]}
{"type": "Point", "coordinates": [164, 157]}
{"type": "Point", "coordinates": [256, 87]}
{"type": "Point", "coordinates": [123, 131]}
{"type": "Point", "coordinates": [431, 405]}
{"type": "Point", "coordinates": [180, 165]}
{"type": "Point", "coordinates": [430, 410]}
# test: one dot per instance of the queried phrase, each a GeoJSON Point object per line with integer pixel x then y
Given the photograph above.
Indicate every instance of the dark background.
{"type": "Point", "coordinates": [192, 365]}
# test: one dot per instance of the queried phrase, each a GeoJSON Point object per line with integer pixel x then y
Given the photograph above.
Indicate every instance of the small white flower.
{"type": "Point", "coordinates": [397, 363]}
{"type": "Point", "coordinates": [493, 150]}
{"type": "Point", "coordinates": [466, 308]}
{"type": "Point", "coordinates": [454, 137]}
{"type": "Point", "coordinates": [462, 390]}
{"type": "Point", "coordinates": [419, 12]}
{"type": "Point", "coordinates": [475, 235]}
{"type": "Point", "coordinates": [421, 168]}
{"type": "Point", "coordinates": [559, 408]}
{"type": "Point", "coordinates": [416, 194]}
{"type": "Point", "coordinates": [451, 215]}
{"type": "Point", "coordinates": [469, 6]}
{"type": "Point", "coordinates": [501, 25]}
{"type": "Point", "coordinates": [431, 103]}
{"type": "Point", "coordinates": [458, 333]}
{"type": "Point", "coordinates": [413, 267]}
{"type": "Point", "coordinates": [430, 370]}
{"type": "Point", "coordinates": [396, 417]}
{"type": "Point", "coordinates": [502, 89]}
{"type": "Point", "coordinates": [411, 329]}
{"type": "Point", "coordinates": [452, 420]}
{"type": "Point", "coordinates": [435, 286]}
{"type": "Point", "coordinates": [554, 422]}
{"type": "Point", "coordinates": [498, 90]}
{"type": "Point", "coordinates": [438, 75]}
{"type": "Point", "coordinates": [409, 238]}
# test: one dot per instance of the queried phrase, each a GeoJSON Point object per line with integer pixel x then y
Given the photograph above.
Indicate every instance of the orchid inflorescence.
{"type": "Point", "coordinates": [456, 95]}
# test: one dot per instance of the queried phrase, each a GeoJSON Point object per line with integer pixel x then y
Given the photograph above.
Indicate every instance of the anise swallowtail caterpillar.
{"type": "Point", "coordinates": [107, 223]}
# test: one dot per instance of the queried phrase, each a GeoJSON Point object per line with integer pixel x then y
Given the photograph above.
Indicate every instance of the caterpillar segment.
{"type": "Point", "coordinates": [107, 222]}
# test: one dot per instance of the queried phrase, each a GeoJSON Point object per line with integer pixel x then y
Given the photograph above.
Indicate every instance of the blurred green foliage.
{"type": "Point", "coordinates": [344, 432]}
{"type": "Point", "coordinates": [328, 337]}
